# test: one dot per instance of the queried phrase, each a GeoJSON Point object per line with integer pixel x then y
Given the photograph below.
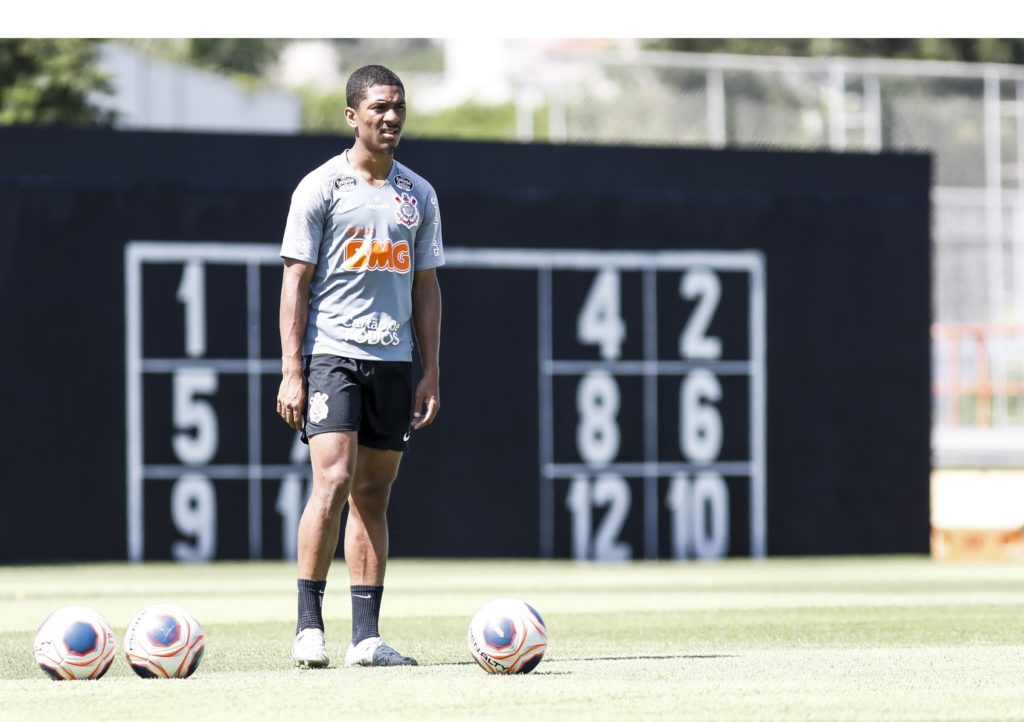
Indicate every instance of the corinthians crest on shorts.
{"type": "Point", "coordinates": [408, 214]}
{"type": "Point", "coordinates": [318, 407]}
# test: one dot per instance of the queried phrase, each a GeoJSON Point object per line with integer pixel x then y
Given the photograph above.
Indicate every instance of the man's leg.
{"type": "Point", "coordinates": [366, 553]}
{"type": "Point", "coordinates": [366, 532]}
{"type": "Point", "coordinates": [333, 456]}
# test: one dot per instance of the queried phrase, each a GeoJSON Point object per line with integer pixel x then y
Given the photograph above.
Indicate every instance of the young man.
{"type": "Point", "coordinates": [360, 247]}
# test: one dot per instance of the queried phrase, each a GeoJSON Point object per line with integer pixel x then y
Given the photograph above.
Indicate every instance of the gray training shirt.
{"type": "Point", "coordinates": [366, 243]}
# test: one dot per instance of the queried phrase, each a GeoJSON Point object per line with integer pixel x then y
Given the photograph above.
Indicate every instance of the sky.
{"type": "Point", "coordinates": [530, 18]}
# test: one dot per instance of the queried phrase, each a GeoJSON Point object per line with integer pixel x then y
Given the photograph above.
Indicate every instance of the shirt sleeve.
{"type": "Point", "coordinates": [304, 229]}
{"type": "Point", "coordinates": [429, 246]}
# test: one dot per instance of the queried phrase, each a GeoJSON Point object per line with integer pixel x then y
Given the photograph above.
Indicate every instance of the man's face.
{"type": "Point", "coordinates": [379, 118]}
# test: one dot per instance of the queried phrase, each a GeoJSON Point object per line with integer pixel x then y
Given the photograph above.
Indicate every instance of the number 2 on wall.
{"type": "Point", "coordinates": [694, 342]}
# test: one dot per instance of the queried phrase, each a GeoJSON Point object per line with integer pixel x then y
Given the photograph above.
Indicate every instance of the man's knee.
{"type": "Point", "coordinates": [331, 490]}
{"type": "Point", "coordinates": [377, 467]}
{"type": "Point", "coordinates": [333, 469]}
{"type": "Point", "coordinates": [372, 492]}
{"type": "Point", "coordinates": [375, 474]}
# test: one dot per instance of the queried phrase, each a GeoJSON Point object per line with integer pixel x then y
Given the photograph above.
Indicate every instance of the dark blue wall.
{"type": "Point", "coordinates": [845, 240]}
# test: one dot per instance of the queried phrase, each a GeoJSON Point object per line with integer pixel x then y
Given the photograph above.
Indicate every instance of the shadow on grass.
{"type": "Point", "coordinates": [604, 659]}
{"type": "Point", "coordinates": [651, 656]}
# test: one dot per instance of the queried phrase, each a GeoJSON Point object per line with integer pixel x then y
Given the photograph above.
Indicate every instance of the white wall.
{"type": "Point", "coordinates": [156, 95]}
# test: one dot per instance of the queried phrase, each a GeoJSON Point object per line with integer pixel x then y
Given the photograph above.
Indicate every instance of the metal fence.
{"type": "Point", "coordinates": [970, 117]}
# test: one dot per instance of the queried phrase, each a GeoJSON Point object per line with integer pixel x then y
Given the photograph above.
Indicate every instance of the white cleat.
{"type": "Point", "coordinates": [374, 652]}
{"type": "Point", "coordinates": [310, 650]}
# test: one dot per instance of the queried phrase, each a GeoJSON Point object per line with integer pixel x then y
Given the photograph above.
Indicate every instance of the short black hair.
{"type": "Point", "coordinates": [364, 78]}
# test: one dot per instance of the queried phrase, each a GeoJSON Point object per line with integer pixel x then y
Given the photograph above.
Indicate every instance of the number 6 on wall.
{"type": "Point", "coordinates": [700, 425]}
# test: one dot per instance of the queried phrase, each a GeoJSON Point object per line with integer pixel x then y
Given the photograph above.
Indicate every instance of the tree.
{"type": "Point", "coordinates": [325, 113]}
{"type": "Point", "coordinates": [51, 81]}
{"type": "Point", "coordinates": [981, 50]}
{"type": "Point", "coordinates": [250, 56]}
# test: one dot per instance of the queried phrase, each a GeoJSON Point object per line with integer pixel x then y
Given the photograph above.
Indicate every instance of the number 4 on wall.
{"type": "Point", "coordinates": [600, 321]}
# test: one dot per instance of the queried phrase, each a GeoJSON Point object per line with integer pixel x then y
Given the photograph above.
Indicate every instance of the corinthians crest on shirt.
{"type": "Point", "coordinates": [408, 214]}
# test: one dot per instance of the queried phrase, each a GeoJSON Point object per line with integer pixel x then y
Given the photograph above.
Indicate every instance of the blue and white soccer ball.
{"type": "Point", "coordinates": [507, 636]}
{"type": "Point", "coordinates": [164, 641]}
{"type": "Point", "coordinates": [75, 642]}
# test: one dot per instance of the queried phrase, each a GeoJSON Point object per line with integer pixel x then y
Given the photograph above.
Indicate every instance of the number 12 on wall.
{"type": "Point", "coordinates": [600, 508]}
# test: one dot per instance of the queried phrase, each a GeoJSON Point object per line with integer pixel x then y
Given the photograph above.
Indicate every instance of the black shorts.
{"type": "Point", "coordinates": [373, 398]}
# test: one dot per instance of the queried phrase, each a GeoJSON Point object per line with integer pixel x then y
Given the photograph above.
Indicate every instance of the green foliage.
{"type": "Point", "coordinates": [250, 56]}
{"type": "Point", "coordinates": [174, 50]}
{"type": "Point", "coordinates": [325, 113]}
{"type": "Point", "coordinates": [468, 121]}
{"type": "Point", "coordinates": [245, 59]}
{"type": "Point", "coordinates": [50, 81]}
{"type": "Point", "coordinates": [987, 50]}
{"type": "Point", "coordinates": [402, 55]}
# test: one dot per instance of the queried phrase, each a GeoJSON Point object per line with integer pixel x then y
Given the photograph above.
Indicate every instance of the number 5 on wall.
{"type": "Point", "coordinates": [195, 421]}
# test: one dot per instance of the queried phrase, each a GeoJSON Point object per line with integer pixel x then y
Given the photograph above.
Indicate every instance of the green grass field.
{"type": "Point", "coordinates": [837, 639]}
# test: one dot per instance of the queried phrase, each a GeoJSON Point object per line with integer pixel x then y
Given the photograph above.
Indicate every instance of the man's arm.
{"type": "Point", "coordinates": [291, 397]}
{"type": "Point", "coordinates": [426, 322]}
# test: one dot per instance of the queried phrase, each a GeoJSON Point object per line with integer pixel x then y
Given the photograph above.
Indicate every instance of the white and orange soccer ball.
{"type": "Point", "coordinates": [75, 642]}
{"type": "Point", "coordinates": [164, 641]}
{"type": "Point", "coordinates": [507, 636]}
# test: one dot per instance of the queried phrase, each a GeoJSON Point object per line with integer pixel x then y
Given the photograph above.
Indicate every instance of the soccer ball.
{"type": "Point", "coordinates": [507, 636]}
{"type": "Point", "coordinates": [164, 641]}
{"type": "Point", "coordinates": [75, 642]}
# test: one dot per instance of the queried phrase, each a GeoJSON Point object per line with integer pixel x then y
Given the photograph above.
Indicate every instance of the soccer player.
{"type": "Point", "coordinates": [360, 249]}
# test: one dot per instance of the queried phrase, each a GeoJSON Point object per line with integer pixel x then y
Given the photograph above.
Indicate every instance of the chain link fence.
{"type": "Point", "coordinates": [969, 117]}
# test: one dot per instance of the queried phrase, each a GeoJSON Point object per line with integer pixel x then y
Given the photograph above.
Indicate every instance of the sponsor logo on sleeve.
{"type": "Point", "coordinates": [345, 183]}
{"type": "Point", "coordinates": [403, 183]}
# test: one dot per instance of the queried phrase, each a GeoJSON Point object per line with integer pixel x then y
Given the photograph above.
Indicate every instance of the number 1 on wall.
{"type": "Point", "coordinates": [192, 293]}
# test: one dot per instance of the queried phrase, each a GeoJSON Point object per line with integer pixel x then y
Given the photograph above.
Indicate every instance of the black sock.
{"type": "Point", "coordinates": [365, 611]}
{"type": "Point", "coordinates": [311, 601]}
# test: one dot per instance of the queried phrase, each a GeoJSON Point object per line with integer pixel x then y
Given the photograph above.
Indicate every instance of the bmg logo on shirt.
{"type": "Point", "coordinates": [360, 254]}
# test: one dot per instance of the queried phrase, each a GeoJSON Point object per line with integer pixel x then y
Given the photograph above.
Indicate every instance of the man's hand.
{"type": "Point", "coordinates": [291, 398]}
{"type": "Point", "coordinates": [428, 402]}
